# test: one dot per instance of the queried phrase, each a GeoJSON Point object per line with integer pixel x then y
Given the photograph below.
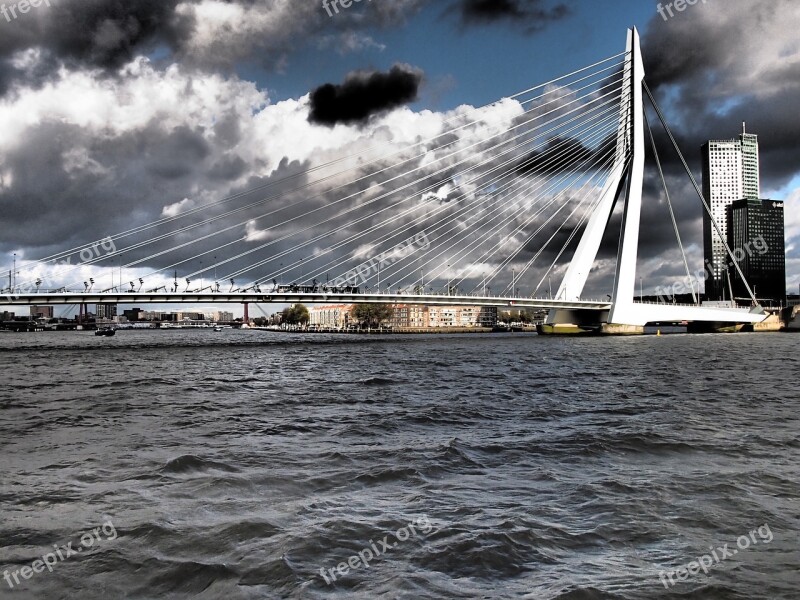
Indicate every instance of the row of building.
{"type": "Point", "coordinates": [407, 316]}
{"type": "Point", "coordinates": [752, 227]}
{"type": "Point", "coordinates": [135, 315]}
{"type": "Point", "coordinates": [109, 313]}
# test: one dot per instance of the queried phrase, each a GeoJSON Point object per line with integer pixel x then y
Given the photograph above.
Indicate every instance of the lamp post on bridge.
{"type": "Point", "coordinates": [448, 280]}
{"type": "Point", "coordinates": [513, 283]}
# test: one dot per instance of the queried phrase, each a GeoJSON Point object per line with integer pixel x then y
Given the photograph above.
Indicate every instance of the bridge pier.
{"type": "Point", "coordinates": [584, 322]}
{"type": "Point", "coordinates": [616, 329]}
{"type": "Point", "coordinates": [246, 319]}
{"type": "Point", "coordinates": [573, 322]}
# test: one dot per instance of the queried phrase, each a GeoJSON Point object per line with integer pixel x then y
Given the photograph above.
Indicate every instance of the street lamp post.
{"type": "Point", "coordinates": [513, 283]}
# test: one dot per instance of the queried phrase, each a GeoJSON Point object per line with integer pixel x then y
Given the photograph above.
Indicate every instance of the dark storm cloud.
{"type": "Point", "coordinates": [711, 70]}
{"type": "Point", "coordinates": [364, 94]}
{"type": "Point", "coordinates": [715, 75]}
{"type": "Point", "coordinates": [98, 34]}
{"type": "Point", "coordinates": [103, 35]}
{"type": "Point", "coordinates": [566, 153]}
{"type": "Point", "coordinates": [534, 15]}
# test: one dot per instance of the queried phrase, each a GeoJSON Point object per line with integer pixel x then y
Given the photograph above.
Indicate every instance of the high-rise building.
{"type": "Point", "coordinates": [105, 311]}
{"type": "Point", "coordinates": [730, 173]}
{"type": "Point", "coordinates": [756, 237]}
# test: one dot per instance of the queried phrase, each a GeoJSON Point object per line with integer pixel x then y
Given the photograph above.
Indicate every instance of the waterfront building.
{"type": "Point", "coordinates": [133, 314]}
{"type": "Point", "coordinates": [410, 315]}
{"type": "Point", "coordinates": [41, 312]}
{"type": "Point", "coordinates": [335, 316]}
{"type": "Point", "coordinates": [191, 316]}
{"type": "Point", "coordinates": [730, 173]}
{"type": "Point", "coordinates": [462, 316]}
{"type": "Point", "coordinates": [105, 311]}
{"type": "Point", "coordinates": [756, 236]}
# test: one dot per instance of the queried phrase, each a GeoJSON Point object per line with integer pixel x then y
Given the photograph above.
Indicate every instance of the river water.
{"type": "Point", "coordinates": [246, 464]}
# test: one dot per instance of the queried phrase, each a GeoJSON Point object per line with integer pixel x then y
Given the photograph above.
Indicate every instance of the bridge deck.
{"type": "Point", "coordinates": [293, 298]}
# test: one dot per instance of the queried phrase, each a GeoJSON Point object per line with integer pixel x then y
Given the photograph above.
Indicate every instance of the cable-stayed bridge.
{"type": "Point", "coordinates": [487, 212]}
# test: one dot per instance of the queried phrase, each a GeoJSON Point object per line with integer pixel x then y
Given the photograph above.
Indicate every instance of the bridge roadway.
{"type": "Point", "coordinates": [638, 313]}
{"type": "Point", "coordinates": [136, 298]}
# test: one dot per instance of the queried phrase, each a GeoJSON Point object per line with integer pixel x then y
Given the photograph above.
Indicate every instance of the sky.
{"type": "Point", "coordinates": [117, 113]}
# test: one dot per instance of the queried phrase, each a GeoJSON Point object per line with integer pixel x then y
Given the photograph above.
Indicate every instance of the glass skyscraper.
{"type": "Point", "coordinates": [756, 236]}
{"type": "Point", "coordinates": [730, 173]}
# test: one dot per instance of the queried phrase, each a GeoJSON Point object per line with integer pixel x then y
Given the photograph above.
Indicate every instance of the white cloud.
{"type": "Point", "coordinates": [177, 208]}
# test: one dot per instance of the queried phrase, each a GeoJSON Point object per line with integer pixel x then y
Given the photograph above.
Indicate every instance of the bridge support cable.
{"type": "Point", "coordinates": [532, 131]}
{"type": "Point", "coordinates": [545, 158]}
{"type": "Point", "coordinates": [366, 152]}
{"type": "Point", "coordinates": [491, 189]}
{"type": "Point", "coordinates": [699, 192]}
{"type": "Point", "coordinates": [517, 126]}
{"type": "Point", "coordinates": [563, 175]}
{"type": "Point", "coordinates": [438, 173]}
{"type": "Point", "coordinates": [607, 165]}
{"type": "Point", "coordinates": [671, 211]}
{"type": "Point", "coordinates": [587, 215]}
{"type": "Point", "coordinates": [346, 212]}
{"type": "Point", "coordinates": [159, 238]}
{"type": "Point", "coordinates": [622, 100]}
{"type": "Point", "coordinates": [488, 255]}
{"type": "Point", "coordinates": [521, 190]}
{"type": "Point", "coordinates": [560, 107]}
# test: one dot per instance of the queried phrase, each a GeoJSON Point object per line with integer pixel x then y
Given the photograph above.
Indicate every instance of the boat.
{"type": "Point", "coordinates": [217, 328]}
{"type": "Point", "coordinates": [105, 331]}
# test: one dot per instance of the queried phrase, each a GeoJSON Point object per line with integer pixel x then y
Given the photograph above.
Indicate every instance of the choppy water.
{"type": "Point", "coordinates": [239, 464]}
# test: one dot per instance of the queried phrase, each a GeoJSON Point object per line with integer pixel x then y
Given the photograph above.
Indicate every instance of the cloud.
{"type": "Point", "coordinates": [714, 69]}
{"type": "Point", "coordinates": [209, 35]}
{"type": "Point", "coordinates": [177, 208]}
{"type": "Point", "coordinates": [364, 94]}
{"type": "Point", "coordinates": [533, 15]}
{"type": "Point", "coordinates": [711, 70]}
{"type": "Point", "coordinates": [116, 118]}
{"type": "Point", "coordinates": [561, 154]}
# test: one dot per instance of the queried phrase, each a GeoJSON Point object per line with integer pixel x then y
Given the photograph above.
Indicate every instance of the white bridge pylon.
{"type": "Point", "coordinates": [629, 167]}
